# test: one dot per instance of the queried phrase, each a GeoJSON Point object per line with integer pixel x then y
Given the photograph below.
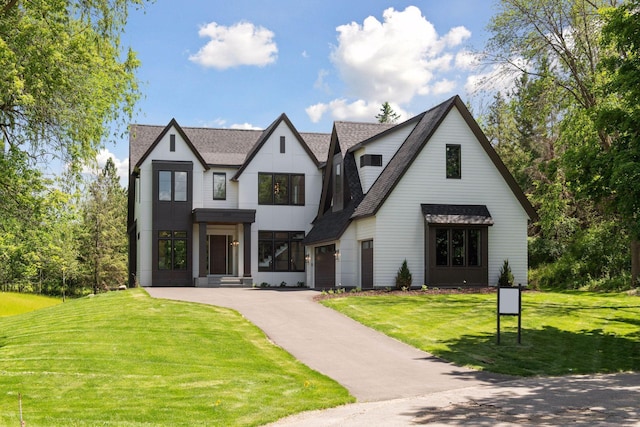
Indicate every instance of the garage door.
{"type": "Point", "coordinates": [325, 269]}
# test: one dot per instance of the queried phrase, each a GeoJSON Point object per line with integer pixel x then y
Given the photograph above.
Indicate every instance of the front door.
{"type": "Point", "coordinates": [325, 270]}
{"type": "Point", "coordinates": [218, 254]}
{"type": "Point", "coordinates": [366, 264]}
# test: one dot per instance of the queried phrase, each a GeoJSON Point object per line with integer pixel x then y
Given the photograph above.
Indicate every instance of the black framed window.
{"type": "Point", "coordinates": [371, 160]}
{"type": "Point", "coordinates": [219, 186]}
{"type": "Point", "coordinates": [172, 142]}
{"type": "Point", "coordinates": [172, 250]}
{"type": "Point", "coordinates": [280, 189]}
{"type": "Point", "coordinates": [454, 161]}
{"type": "Point", "coordinates": [458, 247]}
{"type": "Point", "coordinates": [280, 251]}
{"type": "Point", "coordinates": [173, 186]}
{"type": "Point", "coordinates": [282, 144]}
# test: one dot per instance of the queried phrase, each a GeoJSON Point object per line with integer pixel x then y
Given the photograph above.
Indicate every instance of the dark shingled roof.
{"type": "Point", "coordinates": [456, 214]}
{"type": "Point", "coordinates": [398, 165]}
{"type": "Point", "coordinates": [330, 226]}
{"type": "Point", "coordinates": [219, 147]}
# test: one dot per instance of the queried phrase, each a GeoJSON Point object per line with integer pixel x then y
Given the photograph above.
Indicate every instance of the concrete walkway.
{"type": "Point", "coordinates": [398, 385]}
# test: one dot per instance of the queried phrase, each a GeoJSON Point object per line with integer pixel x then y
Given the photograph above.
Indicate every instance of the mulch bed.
{"type": "Point", "coordinates": [411, 292]}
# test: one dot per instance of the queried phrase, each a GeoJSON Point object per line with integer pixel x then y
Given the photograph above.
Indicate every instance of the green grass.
{"type": "Point", "coordinates": [562, 333]}
{"type": "Point", "coordinates": [125, 359]}
{"type": "Point", "coordinates": [12, 303]}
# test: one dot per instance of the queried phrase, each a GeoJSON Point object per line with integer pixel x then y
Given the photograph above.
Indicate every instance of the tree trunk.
{"type": "Point", "coordinates": [635, 262]}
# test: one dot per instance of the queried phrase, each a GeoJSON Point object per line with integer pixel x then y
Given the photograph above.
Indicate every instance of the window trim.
{"type": "Point", "coordinates": [172, 142]}
{"type": "Point", "coordinates": [224, 177]}
{"type": "Point", "coordinates": [172, 186]}
{"type": "Point", "coordinates": [275, 238]}
{"type": "Point", "coordinates": [171, 237]}
{"type": "Point", "coordinates": [289, 189]}
{"type": "Point", "coordinates": [453, 170]}
{"type": "Point", "coordinates": [371, 160]}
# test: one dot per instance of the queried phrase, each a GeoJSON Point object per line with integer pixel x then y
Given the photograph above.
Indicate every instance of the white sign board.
{"type": "Point", "coordinates": [509, 301]}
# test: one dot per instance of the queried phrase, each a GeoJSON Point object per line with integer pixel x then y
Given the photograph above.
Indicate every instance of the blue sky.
{"type": "Point", "coordinates": [242, 63]}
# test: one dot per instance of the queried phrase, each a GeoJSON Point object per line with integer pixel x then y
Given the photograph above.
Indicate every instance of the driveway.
{"type": "Point", "coordinates": [398, 385]}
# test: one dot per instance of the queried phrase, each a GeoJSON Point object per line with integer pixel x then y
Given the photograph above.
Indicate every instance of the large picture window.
{"type": "Point", "coordinates": [172, 250]}
{"type": "Point", "coordinates": [280, 251]}
{"type": "Point", "coordinates": [280, 189]}
{"type": "Point", "coordinates": [458, 247]}
{"type": "Point", "coordinates": [173, 186]}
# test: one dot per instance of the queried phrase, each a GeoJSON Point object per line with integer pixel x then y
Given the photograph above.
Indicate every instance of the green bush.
{"type": "Point", "coordinates": [506, 276]}
{"type": "Point", "coordinates": [403, 278]}
{"type": "Point", "coordinates": [597, 258]}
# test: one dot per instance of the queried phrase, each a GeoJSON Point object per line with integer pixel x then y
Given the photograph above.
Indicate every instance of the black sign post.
{"type": "Point", "coordinates": [510, 304]}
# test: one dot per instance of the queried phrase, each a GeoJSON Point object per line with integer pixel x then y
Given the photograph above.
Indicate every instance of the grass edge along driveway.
{"type": "Point", "coordinates": [562, 333]}
{"type": "Point", "coordinates": [125, 359]}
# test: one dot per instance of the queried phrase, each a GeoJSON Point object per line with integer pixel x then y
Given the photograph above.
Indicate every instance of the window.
{"type": "Point", "coordinates": [280, 189]}
{"type": "Point", "coordinates": [172, 142]}
{"type": "Point", "coordinates": [280, 251]}
{"type": "Point", "coordinates": [172, 250]}
{"type": "Point", "coordinates": [371, 160]}
{"type": "Point", "coordinates": [338, 181]}
{"type": "Point", "coordinates": [173, 186]}
{"type": "Point", "coordinates": [458, 247]}
{"type": "Point", "coordinates": [219, 186]}
{"type": "Point", "coordinates": [282, 144]}
{"type": "Point", "coordinates": [454, 165]}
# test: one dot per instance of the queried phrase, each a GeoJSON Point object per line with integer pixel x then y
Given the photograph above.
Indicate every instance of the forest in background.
{"type": "Point", "coordinates": [567, 129]}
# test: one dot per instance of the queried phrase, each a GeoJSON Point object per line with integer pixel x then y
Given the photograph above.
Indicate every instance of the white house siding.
{"type": "Point", "coordinates": [387, 147]}
{"type": "Point", "coordinates": [231, 202]}
{"type": "Point", "coordinates": [145, 201]}
{"type": "Point", "coordinates": [400, 226]}
{"type": "Point", "coordinates": [348, 262]}
{"type": "Point", "coordinates": [279, 218]}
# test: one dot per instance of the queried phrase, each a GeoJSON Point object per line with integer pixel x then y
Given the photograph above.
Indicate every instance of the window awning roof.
{"type": "Point", "coordinates": [456, 214]}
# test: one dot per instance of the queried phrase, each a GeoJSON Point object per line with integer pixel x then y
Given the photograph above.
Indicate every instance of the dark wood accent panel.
{"type": "Point", "coordinates": [218, 254]}
{"type": "Point", "coordinates": [325, 268]}
{"type": "Point", "coordinates": [202, 250]}
{"type": "Point", "coordinates": [366, 264]}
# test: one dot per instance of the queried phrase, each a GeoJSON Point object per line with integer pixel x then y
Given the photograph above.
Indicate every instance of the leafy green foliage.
{"type": "Point", "coordinates": [124, 359]}
{"type": "Point", "coordinates": [403, 277]}
{"type": "Point", "coordinates": [562, 333]}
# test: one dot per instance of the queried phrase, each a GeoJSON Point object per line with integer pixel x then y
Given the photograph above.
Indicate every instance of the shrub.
{"type": "Point", "coordinates": [403, 278]}
{"type": "Point", "coordinates": [506, 276]}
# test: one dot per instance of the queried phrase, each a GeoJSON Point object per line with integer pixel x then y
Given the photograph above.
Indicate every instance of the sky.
{"type": "Point", "coordinates": [241, 63]}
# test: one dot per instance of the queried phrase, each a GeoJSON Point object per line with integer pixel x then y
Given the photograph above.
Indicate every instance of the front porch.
{"type": "Point", "coordinates": [223, 253]}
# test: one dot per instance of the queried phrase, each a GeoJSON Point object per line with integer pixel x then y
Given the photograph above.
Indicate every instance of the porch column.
{"type": "Point", "coordinates": [247, 249]}
{"type": "Point", "coordinates": [202, 249]}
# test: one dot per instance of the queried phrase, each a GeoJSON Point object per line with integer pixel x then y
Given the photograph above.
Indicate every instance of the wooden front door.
{"type": "Point", "coordinates": [366, 264]}
{"type": "Point", "coordinates": [325, 269]}
{"type": "Point", "coordinates": [217, 254]}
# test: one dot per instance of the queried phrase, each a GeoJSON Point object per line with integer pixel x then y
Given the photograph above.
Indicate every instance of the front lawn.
{"type": "Point", "coordinates": [125, 359]}
{"type": "Point", "coordinates": [562, 333]}
{"type": "Point", "coordinates": [12, 303]}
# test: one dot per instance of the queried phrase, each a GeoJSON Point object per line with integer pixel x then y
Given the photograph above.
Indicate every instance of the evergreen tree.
{"type": "Point", "coordinates": [387, 115]}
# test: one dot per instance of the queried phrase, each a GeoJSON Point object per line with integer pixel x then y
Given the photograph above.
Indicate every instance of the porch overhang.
{"type": "Point", "coordinates": [224, 216]}
{"type": "Point", "coordinates": [456, 214]}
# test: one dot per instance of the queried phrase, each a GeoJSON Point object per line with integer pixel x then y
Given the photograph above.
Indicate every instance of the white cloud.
{"type": "Point", "coordinates": [320, 82]}
{"type": "Point", "coordinates": [443, 86]}
{"type": "Point", "coordinates": [466, 60]}
{"type": "Point", "coordinates": [499, 78]}
{"type": "Point", "coordinates": [315, 112]}
{"type": "Point", "coordinates": [122, 166]}
{"type": "Point", "coordinates": [359, 110]}
{"type": "Point", "coordinates": [245, 126]}
{"type": "Point", "coordinates": [240, 44]}
{"type": "Point", "coordinates": [394, 59]}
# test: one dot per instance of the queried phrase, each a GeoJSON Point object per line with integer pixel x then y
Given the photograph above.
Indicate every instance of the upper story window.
{"type": "Point", "coordinates": [172, 186]}
{"type": "Point", "coordinates": [282, 144]}
{"type": "Point", "coordinates": [220, 186]}
{"type": "Point", "coordinates": [371, 160]}
{"type": "Point", "coordinates": [338, 183]}
{"type": "Point", "coordinates": [454, 164]}
{"type": "Point", "coordinates": [280, 189]}
{"type": "Point", "coordinates": [172, 142]}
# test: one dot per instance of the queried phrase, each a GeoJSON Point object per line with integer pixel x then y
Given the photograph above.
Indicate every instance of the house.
{"type": "Point", "coordinates": [212, 206]}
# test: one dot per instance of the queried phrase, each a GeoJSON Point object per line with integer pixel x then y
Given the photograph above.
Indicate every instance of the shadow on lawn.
{"type": "Point", "coordinates": [577, 400]}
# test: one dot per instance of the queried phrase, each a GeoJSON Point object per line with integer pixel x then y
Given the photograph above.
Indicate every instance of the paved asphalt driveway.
{"type": "Point", "coordinates": [398, 385]}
